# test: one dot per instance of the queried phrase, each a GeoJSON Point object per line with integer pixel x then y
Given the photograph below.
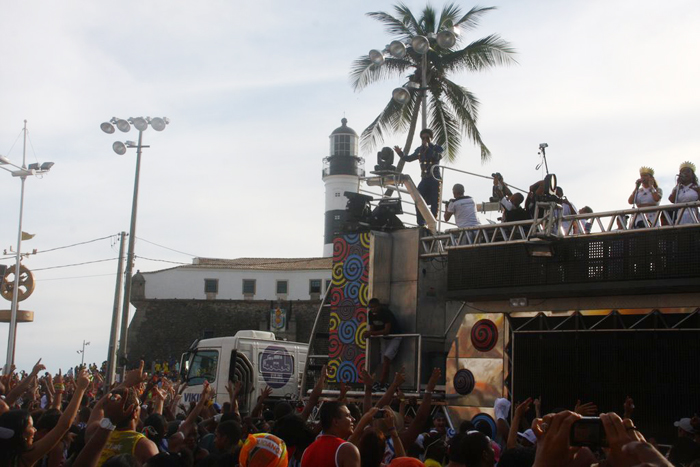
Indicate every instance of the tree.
{"type": "Point", "coordinates": [452, 108]}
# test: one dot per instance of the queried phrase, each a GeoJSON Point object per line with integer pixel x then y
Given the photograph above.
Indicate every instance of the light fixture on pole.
{"type": "Point", "coordinates": [141, 124]}
{"type": "Point", "coordinates": [22, 172]}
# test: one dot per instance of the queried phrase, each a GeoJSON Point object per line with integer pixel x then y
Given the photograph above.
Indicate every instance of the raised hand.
{"type": "Point", "coordinates": [400, 377]}
{"type": "Point", "coordinates": [367, 379]}
{"type": "Point", "coordinates": [629, 407]}
{"type": "Point", "coordinates": [432, 382]}
{"type": "Point", "coordinates": [523, 407]}
{"type": "Point", "coordinates": [619, 432]}
{"type": "Point", "coordinates": [588, 409]}
{"type": "Point", "coordinates": [321, 382]}
{"type": "Point", "coordinates": [134, 377]}
{"type": "Point", "coordinates": [343, 391]}
{"type": "Point", "coordinates": [538, 407]}
{"type": "Point", "coordinates": [37, 368]}
{"type": "Point", "coordinates": [265, 393]}
{"type": "Point", "coordinates": [83, 381]}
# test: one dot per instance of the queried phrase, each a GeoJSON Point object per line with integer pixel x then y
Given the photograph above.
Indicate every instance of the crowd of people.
{"type": "Point", "coordinates": [74, 420]}
{"type": "Point", "coordinates": [646, 193]}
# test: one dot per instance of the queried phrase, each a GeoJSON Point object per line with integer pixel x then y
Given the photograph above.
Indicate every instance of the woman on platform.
{"type": "Point", "coordinates": [646, 193]}
{"type": "Point", "coordinates": [686, 191]}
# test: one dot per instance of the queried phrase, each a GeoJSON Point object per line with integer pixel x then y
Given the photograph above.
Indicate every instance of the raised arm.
{"type": "Point", "coordinates": [315, 394]}
{"type": "Point", "coordinates": [414, 429]}
{"type": "Point", "coordinates": [264, 394]}
{"type": "Point", "coordinates": [399, 378]}
{"type": "Point", "coordinates": [517, 417]}
{"type": "Point", "coordinates": [18, 390]}
{"type": "Point", "coordinates": [45, 444]}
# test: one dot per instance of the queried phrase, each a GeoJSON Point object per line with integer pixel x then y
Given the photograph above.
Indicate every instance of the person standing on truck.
{"type": "Point", "coordinates": [331, 448]}
{"type": "Point", "coordinates": [382, 322]}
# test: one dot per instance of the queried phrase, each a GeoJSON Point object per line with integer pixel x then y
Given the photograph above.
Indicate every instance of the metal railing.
{"type": "Point", "coordinates": [550, 224]}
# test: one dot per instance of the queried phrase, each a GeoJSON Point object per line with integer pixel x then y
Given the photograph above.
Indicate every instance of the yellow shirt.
{"type": "Point", "coordinates": [120, 442]}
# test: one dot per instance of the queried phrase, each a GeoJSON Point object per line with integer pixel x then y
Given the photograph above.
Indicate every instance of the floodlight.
{"type": "Point", "coordinates": [550, 184]}
{"type": "Point", "coordinates": [420, 45]}
{"type": "Point", "coordinates": [446, 39]}
{"type": "Point", "coordinates": [107, 127]}
{"type": "Point", "coordinates": [4, 160]}
{"type": "Point", "coordinates": [401, 96]}
{"type": "Point", "coordinates": [397, 49]}
{"type": "Point", "coordinates": [140, 123]}
{"type": "Point", "coordinates": [46, 166]}
{"type": "Point", "coordinates": [376, 57]}
{"type": "Point", "coordinates": [123, 125]}
{"type": "Point", "coordinates": [158, 123]}
{"type": "Point", "coordinates": [34, 166]}
{"type": "Point", "coordinates": [130, 144]}
{"type": "Point", "coordinates": [119, 148]}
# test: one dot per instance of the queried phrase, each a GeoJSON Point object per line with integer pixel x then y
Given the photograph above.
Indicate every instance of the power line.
{"type": "Point", "coordinates": [63, 247]}
{"type": "Point", "coordinates": [76, 264]}
{"type": "Point", "coordinates": [161, 260]}
{"type": "Point", "coordinates": [74, 277]}
{"type": "Point", "coordinates": [171, 249]}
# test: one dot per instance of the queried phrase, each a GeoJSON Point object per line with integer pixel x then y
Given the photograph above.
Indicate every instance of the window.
{"type": "Point", "coordinates": [211, 285]}
{"type": "Point", "coordinates": [328, 284]}
{"type": "Point", "coordinates": [203, 366]}
{"type": "Point", "coordinates": [344, 145]}
{"type": "Point", "coordinates": [337, 194]}
{"type": "Point", "coordinates": [336, 217]}
{"type": "Point", "coordinates": [249, 286]}
{"type": "Point", "coordinates": [282, 287]}
{"type": "Point", "coordinates": [315, 286]}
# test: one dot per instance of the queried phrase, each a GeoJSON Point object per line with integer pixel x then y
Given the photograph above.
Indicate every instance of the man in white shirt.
{"type": "Point", "coordinates": [463, 208]}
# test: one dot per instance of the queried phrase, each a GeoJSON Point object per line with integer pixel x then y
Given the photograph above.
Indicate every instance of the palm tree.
{"type": "Point", "coordinates": [452, 108]}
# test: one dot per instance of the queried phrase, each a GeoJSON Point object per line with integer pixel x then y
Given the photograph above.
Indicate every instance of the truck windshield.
{"type": "Point", "coordinates": [203, 366]}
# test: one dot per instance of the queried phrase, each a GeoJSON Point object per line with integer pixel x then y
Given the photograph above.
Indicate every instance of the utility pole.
{"type": "Point", "coordinates": [114, 330]}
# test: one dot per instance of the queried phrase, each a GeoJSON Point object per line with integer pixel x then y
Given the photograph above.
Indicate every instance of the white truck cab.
{"type": "Point", "coordinates": [255, 358]}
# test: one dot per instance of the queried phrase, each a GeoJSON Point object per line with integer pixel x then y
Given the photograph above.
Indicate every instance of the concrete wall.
{"type": "Point", "coordinates": [188, 283]}
{"type": "Point", "coordinates": [164, 329]}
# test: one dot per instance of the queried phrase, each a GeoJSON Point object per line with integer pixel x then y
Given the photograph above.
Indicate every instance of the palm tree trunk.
{"type": "Point", "coordinates": [409, 138]}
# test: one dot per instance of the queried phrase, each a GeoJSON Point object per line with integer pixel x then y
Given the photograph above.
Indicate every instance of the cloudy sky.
{"type": "Point", "coordinates": [253, 90]}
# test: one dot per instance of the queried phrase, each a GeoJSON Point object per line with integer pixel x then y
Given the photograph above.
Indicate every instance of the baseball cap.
{"type": "Point", "coordinates": [529, 435]}
{"type": "Point", "coordinates": [685, 425]}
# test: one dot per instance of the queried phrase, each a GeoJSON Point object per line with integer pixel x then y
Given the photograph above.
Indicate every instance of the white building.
{"type": "Point", "coordinates": [238, 279]}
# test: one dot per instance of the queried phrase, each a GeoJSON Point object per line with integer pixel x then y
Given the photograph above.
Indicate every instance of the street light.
{"type": "Point", "coordinates": [22, 172]}
{"type": "Point", "coordinates": [82, 353]}
{"type": "Point", "coordinates": [141, 124]}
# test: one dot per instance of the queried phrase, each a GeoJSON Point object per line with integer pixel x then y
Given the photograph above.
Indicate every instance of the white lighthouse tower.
{"type": "Point", "coordinates": [342, 170]}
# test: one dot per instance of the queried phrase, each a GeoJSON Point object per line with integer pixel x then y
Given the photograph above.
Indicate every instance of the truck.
{"type": "Point", "coordinates": [255, 358]}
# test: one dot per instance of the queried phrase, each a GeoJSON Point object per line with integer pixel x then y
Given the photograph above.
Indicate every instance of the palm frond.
{"type": "Point", "coordinates": [392, 25]}
{"type": "Point", "coordinates": [408, 19]}
{"type": "Point", "coordinates": [484, 53]}
{"type": "Point", "coordinates": [449, 12]}
{"type": "Point", "coordinates": [446, 128]}
{"type": "Point", "coordinates": [471, 19]}
{"type": "Point", "coordinates": [427, 20]}
{"type": "Point", "coordinates": [466, 110]}
{"type": "Point", "coordinates": [385, 123]}
{"type": "Point", "coordinates": [364, 72]}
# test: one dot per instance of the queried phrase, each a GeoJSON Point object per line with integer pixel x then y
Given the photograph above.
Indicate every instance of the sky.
{"type": "Point", "coordinates": [253, 90]}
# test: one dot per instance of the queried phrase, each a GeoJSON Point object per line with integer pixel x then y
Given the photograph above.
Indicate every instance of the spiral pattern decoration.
{"type": "Point", "coordinates": [485, 419]}
{"type": "Point", "coordinates": [484, 335]}
{"type": "Point", "coordinates": [334, 346]}
{"type": "Point", "coordinates": [349, 295]}
{"type": "Point", "coordinates": [464, 382]}
{"type": "Point", "coordinates": [347, 373]}
{"type": "Point", "coordinates": [353, 268]}
{"type": "Point", "coordinates": [347, 331]}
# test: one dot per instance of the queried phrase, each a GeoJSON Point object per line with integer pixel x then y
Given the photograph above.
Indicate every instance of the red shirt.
{"type": "Point", "coordinates": [323, 452]}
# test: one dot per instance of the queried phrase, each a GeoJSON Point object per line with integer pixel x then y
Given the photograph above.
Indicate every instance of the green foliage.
{"type": "Point", "coordinates": [452, 108]}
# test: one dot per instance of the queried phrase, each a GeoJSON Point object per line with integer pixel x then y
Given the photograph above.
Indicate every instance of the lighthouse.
{"type": "Point", "coordinates": [342, 170]}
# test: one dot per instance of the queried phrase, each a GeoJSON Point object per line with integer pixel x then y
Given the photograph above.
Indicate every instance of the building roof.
{"type": "Point", "coordinates": [264, 264]}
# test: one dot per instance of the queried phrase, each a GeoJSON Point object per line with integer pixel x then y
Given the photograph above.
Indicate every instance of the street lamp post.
{"type": "Point", "coordinates": [23, 172]}
{"type": "Point", "coordinates": [120, 148]}
{"type": "Point", "coordinates": [82, 353]}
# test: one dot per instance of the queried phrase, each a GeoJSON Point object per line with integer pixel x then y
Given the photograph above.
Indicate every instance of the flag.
{"type": "Point", "coordinates": [27, 236]}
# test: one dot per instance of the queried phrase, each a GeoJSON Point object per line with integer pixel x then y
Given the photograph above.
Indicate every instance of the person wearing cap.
{"type": "Point", "coordinates": [500, 189]}
{"type": "Point", "coordinates": [512, 209]}
{"type": "Point", "coordinates": [462, 207]}
{"type": "Point", "coordinates": [428, 154]}
{"type": "Point", "coordinates": [685, 428]}
{"type": "Point", "coordinates": [527, 438]}
{"type": "Point", "coordinates": [263, 450]}
{"type": "Point", "coordinates": [686, 191]}
{"type": "Point", "coordinates": [646, 193]}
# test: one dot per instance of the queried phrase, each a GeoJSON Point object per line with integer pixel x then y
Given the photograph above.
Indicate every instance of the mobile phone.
{"type": "Point", "coordinates": [588, 431]}
{"type": "Point", "coordinates": [379, 414]}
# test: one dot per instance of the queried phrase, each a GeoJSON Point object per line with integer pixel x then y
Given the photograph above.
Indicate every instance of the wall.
{"type": "Point", "coordinates": [164, 329]}
{"type": "Point", "coordinates": [187, 283]}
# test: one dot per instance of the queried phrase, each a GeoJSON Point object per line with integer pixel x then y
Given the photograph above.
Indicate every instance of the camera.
{"type": "Point", "coordinates": [379, 414]}
{"type": "Point", "coordinates": [544, 145]}
{"type": "Point", "coordinates": [588, 431]}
